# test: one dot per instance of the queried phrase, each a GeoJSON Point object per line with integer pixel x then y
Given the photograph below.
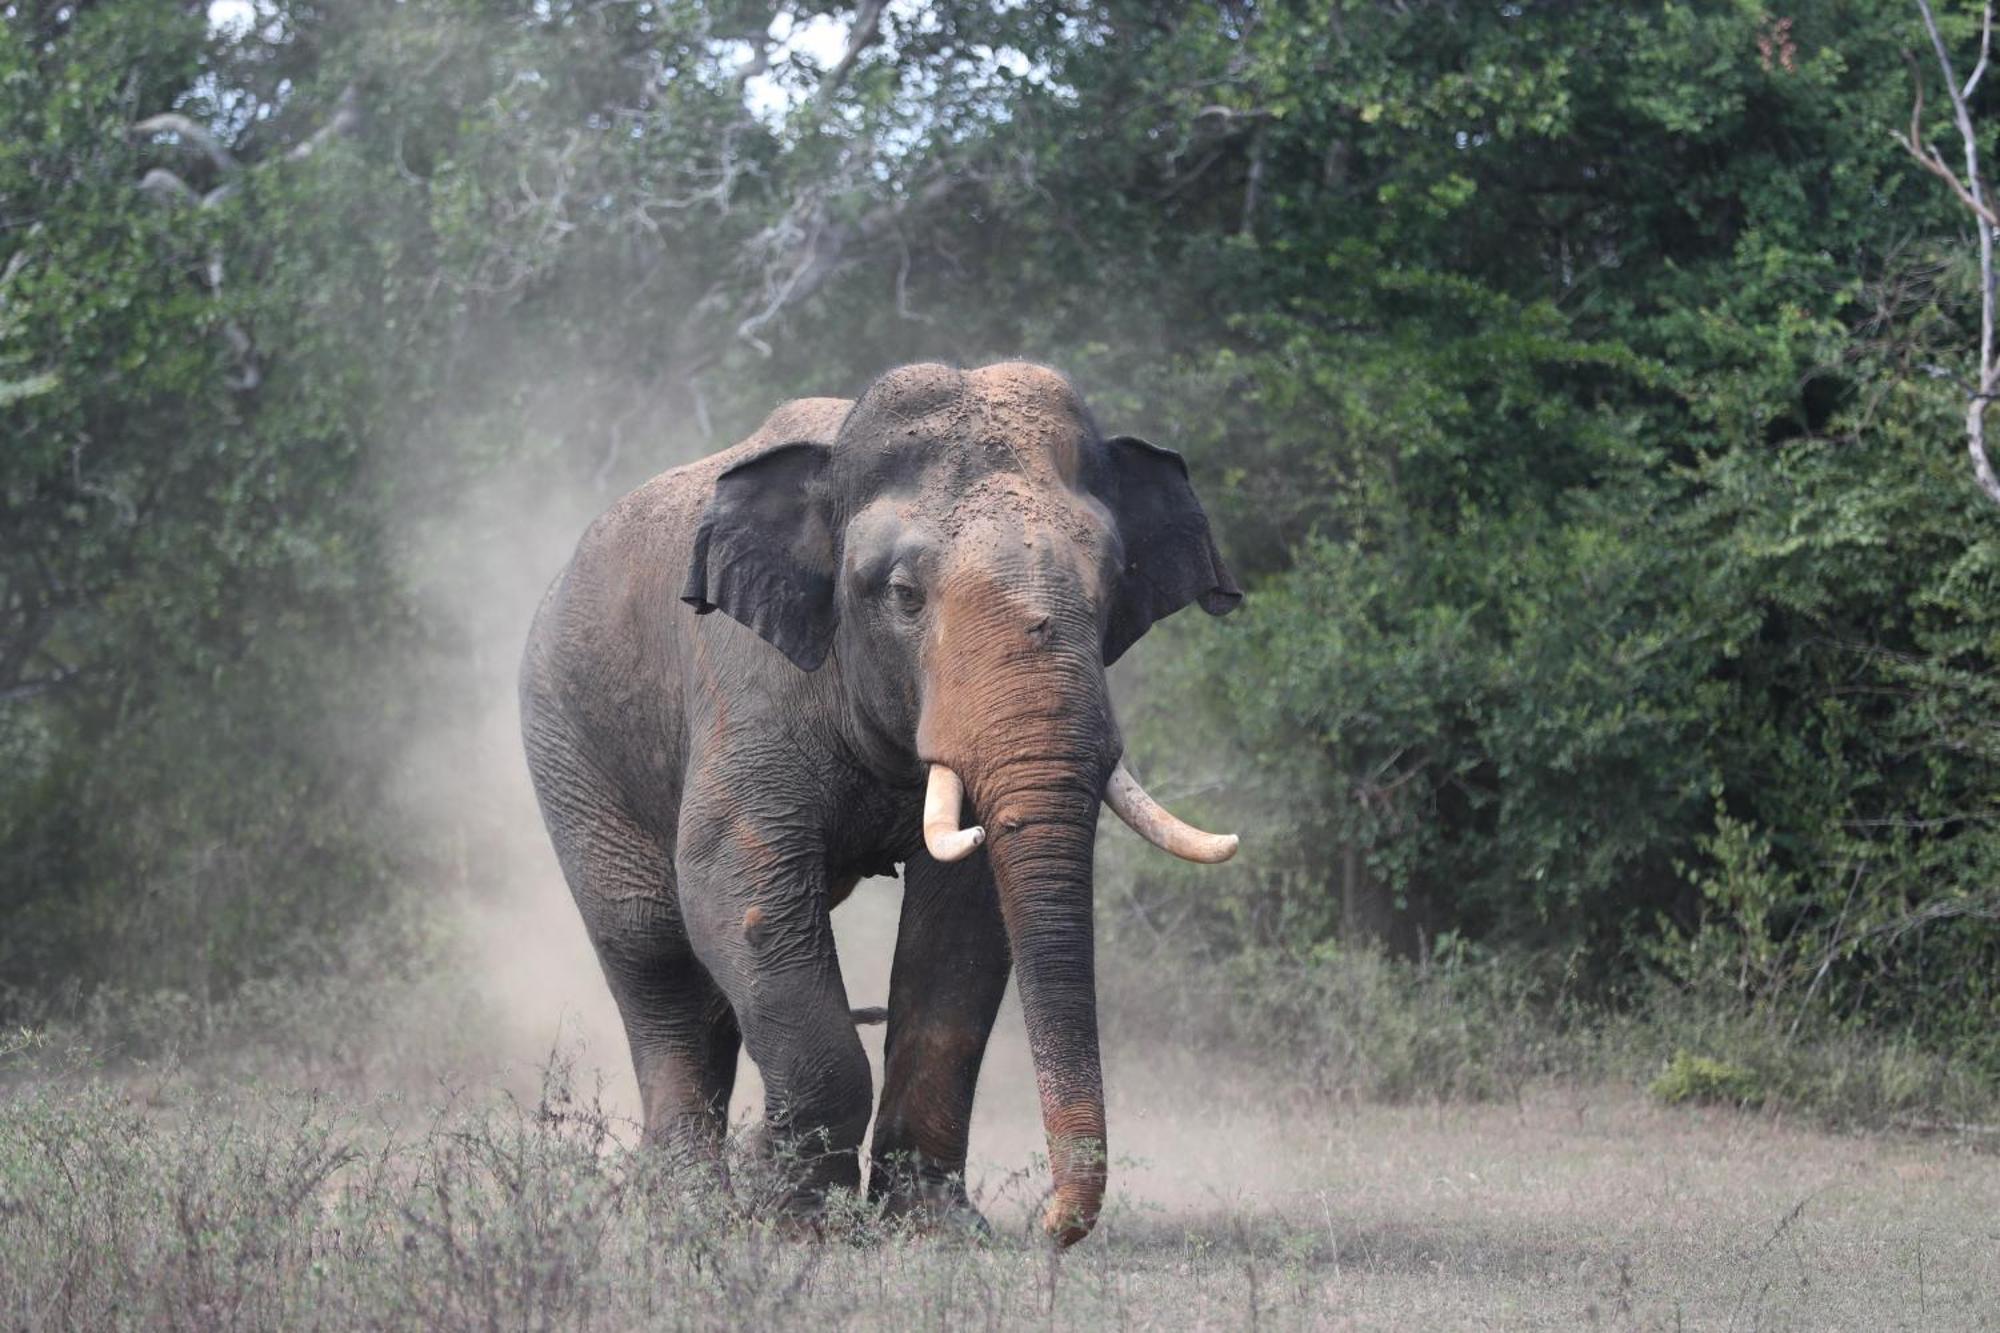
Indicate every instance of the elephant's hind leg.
{"type": "Point", "coordinates": [684, 1044]}
{"type": "Point", "coordinates": [682, 1034]}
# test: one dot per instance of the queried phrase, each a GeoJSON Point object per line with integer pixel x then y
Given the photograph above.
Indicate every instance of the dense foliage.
{"type": "Point", "coordinates": [1573, 384]}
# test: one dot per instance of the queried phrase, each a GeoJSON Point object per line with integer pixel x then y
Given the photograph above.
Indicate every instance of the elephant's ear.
{"type": "Point", "coordinates": [764, 554]}
{"type": "Point", "coordinates": [1170, 556]}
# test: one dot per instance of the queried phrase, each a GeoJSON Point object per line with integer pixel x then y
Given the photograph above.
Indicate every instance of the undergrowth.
{"type": "Point", "coordinates": [165, 1202]}
{"type": "Point", "coordinates": [1326, 1025]}
{"type": "Point", "coordinates": [1469, 1025]}
{"type": "Point", "coordinates": [291, 1157]}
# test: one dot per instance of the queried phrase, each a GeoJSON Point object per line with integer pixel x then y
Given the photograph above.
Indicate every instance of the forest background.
{"type": "Point", "coordinates": [1577, 389]}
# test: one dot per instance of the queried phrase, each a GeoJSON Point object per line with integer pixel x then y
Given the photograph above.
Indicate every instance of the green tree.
{"type": "Point", "coordinates": [1571, 383]}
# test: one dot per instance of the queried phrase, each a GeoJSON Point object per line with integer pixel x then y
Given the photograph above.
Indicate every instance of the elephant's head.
{"type": "Point", "coordinates": [972, 554]}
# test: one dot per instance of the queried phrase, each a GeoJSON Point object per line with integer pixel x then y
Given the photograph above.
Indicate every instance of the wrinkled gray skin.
{"type": "Point", "coordinates": [937, 572]}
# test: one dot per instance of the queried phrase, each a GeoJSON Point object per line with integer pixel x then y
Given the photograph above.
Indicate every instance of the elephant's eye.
{"type": "Point", "coordinates": [908, 597]}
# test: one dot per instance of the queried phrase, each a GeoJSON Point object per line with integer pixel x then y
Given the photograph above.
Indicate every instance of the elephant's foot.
{"type": "Point", "coordinates": [690, 1148]}
{"type": "Point", "coordinates": [929, 1206]}
{"type": "Point", "coordinates": [788, 1181]}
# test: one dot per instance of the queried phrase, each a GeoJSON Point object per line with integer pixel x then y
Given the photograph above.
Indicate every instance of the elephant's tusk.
{"type": "Point", "coordinates": [942, 835]}
{"type": "Point", "coordinates": [1153, 822]}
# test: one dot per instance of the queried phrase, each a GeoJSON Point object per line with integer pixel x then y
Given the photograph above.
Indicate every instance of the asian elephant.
{"type": "Point", "coordinates": [920, 591]}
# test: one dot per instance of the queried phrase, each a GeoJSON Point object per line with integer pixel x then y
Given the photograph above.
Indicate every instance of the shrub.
{"type": "Point", "coordinates": [1696, 1078]}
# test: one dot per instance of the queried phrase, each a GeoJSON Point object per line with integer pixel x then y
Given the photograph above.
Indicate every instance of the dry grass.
{"type": "Point", "coordinates": [152, 1202]}
{"type": "Point", "coordinates": [344, 1180]}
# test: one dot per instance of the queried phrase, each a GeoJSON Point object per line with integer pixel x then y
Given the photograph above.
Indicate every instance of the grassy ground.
{"type": "Point", "coordinates": [151, 1200]}
{"type": "Point", "coordinates": [312, 1161]}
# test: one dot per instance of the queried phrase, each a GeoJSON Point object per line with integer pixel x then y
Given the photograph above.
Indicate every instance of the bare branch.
{"type": "Point", "coordinates": [1252, 188]}
{"type": "Point", "coordinates": [1985, 49]}
{"type": "Point", "coordinates": [1928, 158]}
{"type": "Point", "coordinates": [1971, 191]}
{"type": "Point", "coordinates": [1975, 443]}
{"type": "Point", "coordinates": [168, 188]}
{"type": "Point", "coordinates": [33, 686]}
{"type": "Point", "coordinates": [728, 168]}
{"type": "Point", "coordinates": [1916, 102]}
{"type": "Point", "coordinates": [171, 189]}
{"type": "Point", "coordinates": [190, 133]}
{"type": "Point", "coordinates": [866, 32]}
{"type": "Point", "coordinates": [826, 248]}
{"type": "Point", "coordinates": [778, 294]}
{"type": "Point", "coordinates": [1219, 112]}
{"type": "Point", "coordinates": [346, 119]}
{"type": "Point", "coordinates": [758, 64]}
{"type": "Point", "coordinates": [903, 284]}
{"type": "Point", "coordinates": [248, 373]}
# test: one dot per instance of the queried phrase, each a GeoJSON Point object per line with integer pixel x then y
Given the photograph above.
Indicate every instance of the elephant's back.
{"type": "Point", "coordinates": [676, 497]}
{"type": "Point", "coordinates": [605, 668]}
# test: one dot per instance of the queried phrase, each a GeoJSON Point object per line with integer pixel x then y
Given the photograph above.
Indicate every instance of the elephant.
{"type": "Point", "coordinates": [920, 591]}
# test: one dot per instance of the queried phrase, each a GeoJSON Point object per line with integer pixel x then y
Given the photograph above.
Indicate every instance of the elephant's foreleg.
{"type": "Point", "coordinates": [950, 972]}
{"type": "Point", "coordinates": [757, 918]}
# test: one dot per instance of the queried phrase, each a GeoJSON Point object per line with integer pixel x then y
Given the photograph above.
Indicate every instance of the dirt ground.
{"type": "Point", "coordinates": [1571, 1209]}
{"type": "Point", "coordinates": [1577, 1207]}
{"type": "Point", "coordinates": [144, 1202]}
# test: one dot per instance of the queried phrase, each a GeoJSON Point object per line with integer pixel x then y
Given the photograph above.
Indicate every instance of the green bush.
{"type": "Point", "coordinates": [1696, 1078]}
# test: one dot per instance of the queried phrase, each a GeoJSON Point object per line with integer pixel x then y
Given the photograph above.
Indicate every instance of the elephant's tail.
{"type": "Point", "coordinates": [874, 1013]}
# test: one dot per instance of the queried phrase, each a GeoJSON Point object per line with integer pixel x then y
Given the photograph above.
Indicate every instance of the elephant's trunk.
{"type": "Point", "coordinates": [1019, 710]}
{"type": "Point", "coordinates": [1041, 849]}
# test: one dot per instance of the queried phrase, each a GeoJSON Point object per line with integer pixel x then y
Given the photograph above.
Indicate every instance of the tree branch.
{"type": "Point", "coordinates": [1985, 49]}
{"type": "Point", "coordinates": [758, 64]}
{"type": "Point", "coordinates": [30, 688]}
{"type": "Point", "coordinates": [345, 120]}
{"type": "Point", "coordinates": [1971, 191]}
{"type": "Point", "coordinates": [170, 189]}
{"type": "Point", "coordinates": [1252, 188]}
{"type": "Point", "coordinates": [190, 133]}
{"type": "Point", "coordinates": [827, 246]}
{"type": "Point", "coordinates": [1216, 111]}
{"type": "Point", "coordinates": [866, 32]}
{"type": "Point", "coordinates": [1928, 158]}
